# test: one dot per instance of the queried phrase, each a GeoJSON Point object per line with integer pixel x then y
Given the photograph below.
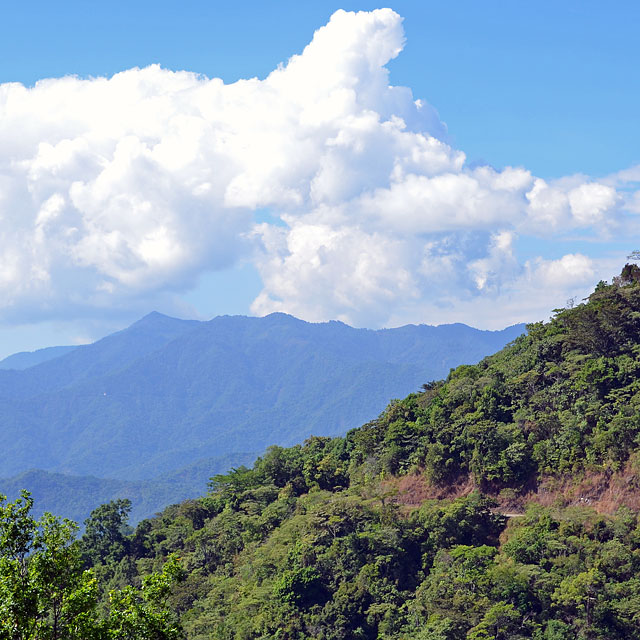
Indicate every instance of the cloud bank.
{"type": "Point", "coordinates": [121, 189]}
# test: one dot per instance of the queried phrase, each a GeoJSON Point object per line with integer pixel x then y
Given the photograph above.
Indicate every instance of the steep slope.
{"type": "Point", "coordinates": [563, 399]}
{"type": "Point", "coordinates": [165, 393]}
{"type": "Point", "coordinates": [316, 541]}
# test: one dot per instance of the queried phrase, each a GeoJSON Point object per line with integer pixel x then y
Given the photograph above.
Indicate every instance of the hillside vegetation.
{"type": "Point", "coordinates": [323, 540]}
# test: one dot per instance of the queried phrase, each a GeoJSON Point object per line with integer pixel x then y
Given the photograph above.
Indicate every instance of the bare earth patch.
{"type": "Point", "coordinates": [604, 492]}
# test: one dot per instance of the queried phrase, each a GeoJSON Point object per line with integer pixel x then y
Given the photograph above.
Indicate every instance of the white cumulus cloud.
{"type": "Point", "coordinates": [127, 188]}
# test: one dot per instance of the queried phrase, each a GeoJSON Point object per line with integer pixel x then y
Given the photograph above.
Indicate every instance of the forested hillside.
{"type": "Point", "coordinates": [342, 538]}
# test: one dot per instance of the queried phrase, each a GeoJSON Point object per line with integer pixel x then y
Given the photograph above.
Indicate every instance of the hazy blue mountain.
{"type": "Point", "coordinates": [26, 359]}
{"type": "Point", "coordinates": [87, 362]}
{"type": "Point", "coordinates": [164, 393]}
{"type": "Point", "coordinates": [75, 497]}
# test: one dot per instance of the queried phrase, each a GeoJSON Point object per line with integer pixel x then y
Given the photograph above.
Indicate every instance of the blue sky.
{"type": "Point", "coordinates": [552, 85]}
{"type": "Point", "coordinates": [550, 88]}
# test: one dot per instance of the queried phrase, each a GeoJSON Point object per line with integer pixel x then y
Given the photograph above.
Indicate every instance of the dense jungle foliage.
{"type": "Point", "coordinates": [312, 542]}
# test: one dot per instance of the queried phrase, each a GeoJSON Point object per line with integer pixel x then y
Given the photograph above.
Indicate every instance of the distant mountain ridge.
{"type": "Point", "coordinates": [76, 496]}
{"type": "Point", "coordinates": [165, 393]}
{"type": "Point", "coordinates": [89, 361]}
{"type": "Point", "coordinates": [26, 359]}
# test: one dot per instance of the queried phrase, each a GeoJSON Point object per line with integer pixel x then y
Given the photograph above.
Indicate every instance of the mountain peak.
{"type": "Point", "coordinates": [158, 320]}
{"type": "Point", "coordinates": [153, 316]}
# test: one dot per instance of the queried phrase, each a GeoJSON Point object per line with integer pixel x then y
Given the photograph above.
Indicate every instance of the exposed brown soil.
{"type": "Point", "coordinates": [604, 492]}
{"type": "Point", "coordinates": [414, 489]}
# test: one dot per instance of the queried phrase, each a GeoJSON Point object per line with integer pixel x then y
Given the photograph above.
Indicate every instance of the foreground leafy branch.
{"type": "Point", "coordinates": [46, 593]}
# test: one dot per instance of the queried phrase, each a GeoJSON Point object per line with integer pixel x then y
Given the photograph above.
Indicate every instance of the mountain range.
{"type": "Point", "coordinates": [154, 410]}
